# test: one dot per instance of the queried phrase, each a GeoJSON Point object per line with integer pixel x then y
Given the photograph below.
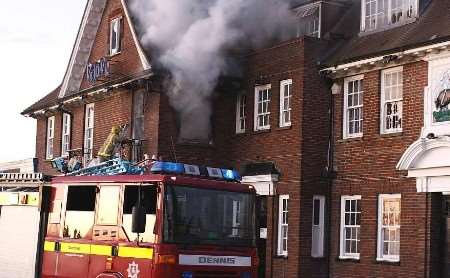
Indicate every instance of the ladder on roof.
{"type": "Point", "coordinates": [108, 168]}
{"type": "Point", "coordinates": [21, 177]}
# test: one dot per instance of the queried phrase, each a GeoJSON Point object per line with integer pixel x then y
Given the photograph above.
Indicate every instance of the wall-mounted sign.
{"type": "Point", "coordinates": [19, 198]}
{"type": "Point", "coordinates": [442, 98]}
{"type": "Point", "coordinates": [96, 70]}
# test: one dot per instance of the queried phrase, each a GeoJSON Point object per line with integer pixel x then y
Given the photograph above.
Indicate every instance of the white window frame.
{"type": "Point", "coordinates": [283, 100]}
{"type": "Point", "coordinates": [283, 222]}
{"type": "Point", "coordinates": [380, 240]}
{"type": "Point", "coordinates": [318, 230]}
{"type": "Point", "coordinates": [388, 17]}
{"type": "Point", "coordinates": [240, 113]}
{"type": "Point", "coordinates": [49, 146]}
{"type": "Point", "coordinates": [89, 125]}
{"type": "Point", "coordinates": [383, 101]}
{"type": "Point", "coordinates": [342, 253]}
{"type": "Point", "coordinates": [345, 132]}
{"type": "Point", "coordinates": [65, 134]}
{"type": "Point", "coordinates": [116, 22]}
{"type": "Point", "coordinates": [264, 113]}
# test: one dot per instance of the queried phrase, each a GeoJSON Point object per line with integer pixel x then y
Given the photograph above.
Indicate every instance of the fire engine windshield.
{"type": "Point", "coordinates": [206, 216]}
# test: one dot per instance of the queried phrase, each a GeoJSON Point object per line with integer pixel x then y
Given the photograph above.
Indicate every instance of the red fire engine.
{"type": "Point", "coordinates": [176, 221]}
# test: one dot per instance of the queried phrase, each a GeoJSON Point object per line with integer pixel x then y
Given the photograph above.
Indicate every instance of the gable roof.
{"type": "Point", "coordinates": [50, 99]}
{"type": "Point", "coordinates": [83, 46]}
{"type": "Point", "coordinates": [433, 26]}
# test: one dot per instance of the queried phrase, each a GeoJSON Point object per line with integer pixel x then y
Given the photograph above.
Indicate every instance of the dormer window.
{"type": "Point", "coordinates": [114, 41]}
{"type": "Point", "coordinates": [381, 14]}
{"type": "Point", "coordinates": [309, 20]}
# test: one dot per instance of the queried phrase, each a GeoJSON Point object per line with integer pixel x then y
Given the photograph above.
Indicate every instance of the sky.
{"type": "Point", "coordinates": [36, 40]}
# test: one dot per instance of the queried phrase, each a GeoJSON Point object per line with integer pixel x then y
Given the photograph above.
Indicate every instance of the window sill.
{"type": "Point", "coordinates": [115, 54]}
{"type": "Point", "coordinates": [391, 134]}
{"type": "Point", "coordinates": [281, 256]}
{"type": "Point", "coordinates": [286, 127]}
{"type": "Point", "coordinates": [387, 261]}
{"type": "Point", "coordinates": [348, 259]}
{"type": "Point", "coordinates": [266, 130]}
{"type": "Point", "coordinates": [351, 139]}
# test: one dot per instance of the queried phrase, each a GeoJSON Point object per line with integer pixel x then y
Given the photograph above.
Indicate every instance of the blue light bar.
{"type": "Point", "coordinates": [167, 167]}
{"type": "Point", "coordinates": [232, 175]}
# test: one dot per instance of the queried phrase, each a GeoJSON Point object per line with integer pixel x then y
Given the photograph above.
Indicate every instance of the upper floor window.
{"type": "Point", "coordinates": [50, 137]}
{"type": "Point", "coordinates": [350, 226]}
{"type": "Point", "coordinates": [114, 36]}
{"type": "Point", "coordinates": [309, 20]}
{"type": "Point", "coordinates": [240, 114]}
{"type": "Point", "coordinates": [377, 14]}
{"type": "Point", "coordinates": [65, 139]}
{"type": "Point", "coordinates": [262, 107]}
{"type": "Point", "coordinates": [353, 107]}
{"type": "Point", "coordinates": [389, 227]}
{"type": "Point", "coordinates": [285, 102]}
{"type": "Point", "coordinates": [283, 225]}
{"type": "Point", "coordinates": [88, 133]}
{"type": "Point", "coordinates": [391, 100]}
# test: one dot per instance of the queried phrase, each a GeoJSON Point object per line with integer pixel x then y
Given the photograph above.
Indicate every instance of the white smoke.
{"type": "Point", "coordinates": [191, 38]}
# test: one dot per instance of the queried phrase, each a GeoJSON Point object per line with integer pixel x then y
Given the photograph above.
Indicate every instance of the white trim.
{"type": "Point", "coordinates": [50, 138]}
{"type": "Point", "coordinates": [282, 122]}
{"type": "Point", "coordinates": [318, 230]}
{"type": "Point", "coordinates": [418, 148]}
{"type": "Point", "coordinates": [281, 224]}
{"type": "Point", "coordinates": [257, 89]}
{"type": "Point", "coordinates": [87, 37]}
{"type": "Point", "coordinates": [240, 103]}
{"type": "Point", "coordinates": [342, 253]}
{"type": "Point", "coordinates": [383, 101]}
{"type": "Point", "coordinates": [145, 63]}
{"type": "Point", "coordinates": [66, 132]}
{"type": "Point", "coordinates": [380, 242]}
{"type": "Point", "coordinates": [88, 125]}
{"type": "Point", "coordinates": [345, 133]}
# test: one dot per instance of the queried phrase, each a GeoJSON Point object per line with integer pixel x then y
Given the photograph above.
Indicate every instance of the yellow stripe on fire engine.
{"type": "Point", "coordinates": [49, 246]}
{"type": "Point", "coordinates": [76, 248]}
{"type": "Point", "coordinates": [101, 250]}
{"type": "Point", "coordinates": [136, 252]}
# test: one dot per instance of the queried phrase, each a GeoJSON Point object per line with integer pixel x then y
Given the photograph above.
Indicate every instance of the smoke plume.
{"type": "Point", "coordinates": [191, 39]}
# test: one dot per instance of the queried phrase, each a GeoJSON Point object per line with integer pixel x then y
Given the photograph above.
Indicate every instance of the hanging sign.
{"type": "Point", "coordinates": [96, 70]}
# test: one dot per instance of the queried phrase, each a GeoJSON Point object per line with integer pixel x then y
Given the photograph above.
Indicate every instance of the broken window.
{"type": "Point", "coordinates": [240, 114]}
{"type": "Point", "coordinates": [149, 201]}
{"type": "Point", "coordinates": [309, 21]}
{"type": "Point", "coordinates": [80, 211]}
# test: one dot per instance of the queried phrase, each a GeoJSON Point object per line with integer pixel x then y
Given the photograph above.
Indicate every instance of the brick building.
{"type": "Point", "coordinates": [295, 130]}
{"type": "Point", "coordinates": [389, 210]}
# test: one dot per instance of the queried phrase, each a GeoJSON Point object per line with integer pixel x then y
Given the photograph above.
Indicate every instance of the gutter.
{"type": "Point", "coordinates": [442, 44]}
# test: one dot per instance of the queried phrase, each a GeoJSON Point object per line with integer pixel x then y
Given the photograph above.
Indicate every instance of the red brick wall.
{"type": "Point", "coordinates": [366, 166]}
{"type": "Point", "coordinates": [127, 61]}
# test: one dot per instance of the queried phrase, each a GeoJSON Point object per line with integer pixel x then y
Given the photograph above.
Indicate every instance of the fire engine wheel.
{"type": "Point", "coordinates": [110, 275]}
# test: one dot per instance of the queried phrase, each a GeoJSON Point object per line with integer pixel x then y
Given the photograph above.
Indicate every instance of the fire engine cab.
{"type": "Point", "coordinates": [175, 220]}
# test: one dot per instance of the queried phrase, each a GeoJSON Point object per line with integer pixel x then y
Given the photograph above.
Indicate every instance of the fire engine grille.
{"type": "Point", "coordinates": [216, 274]}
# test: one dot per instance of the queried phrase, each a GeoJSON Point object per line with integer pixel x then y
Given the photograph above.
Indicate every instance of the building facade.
{"type": "Point", "coordinates": [342, 130]}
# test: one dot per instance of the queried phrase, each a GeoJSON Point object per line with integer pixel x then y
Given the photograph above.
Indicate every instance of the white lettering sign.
{"type": "Point", "coordinates": [214, 260]}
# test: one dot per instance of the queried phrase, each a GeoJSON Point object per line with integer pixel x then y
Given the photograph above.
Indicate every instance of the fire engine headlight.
{"type": "Point", "coordinates": [246, 275]}
{"type": "Point", "coordinates": [187, 275]}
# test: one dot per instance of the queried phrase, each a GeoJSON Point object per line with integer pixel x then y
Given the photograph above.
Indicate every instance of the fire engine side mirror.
{"type": "Point", "coordinates": [138, 218]}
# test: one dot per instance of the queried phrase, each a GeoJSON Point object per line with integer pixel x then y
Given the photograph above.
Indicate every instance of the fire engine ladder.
{"type": "Point", "coordinates": [20, 179]}
{"type": "Point", "coordinates": [108, 168]}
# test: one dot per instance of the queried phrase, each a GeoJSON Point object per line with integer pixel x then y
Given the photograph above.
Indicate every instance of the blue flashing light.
{"type": "Point", "coordinates": [187, 274]}
{"type": "Point", "coordinates": [167, 167]}
{"type": "Point", "coordinates": [232, 175]}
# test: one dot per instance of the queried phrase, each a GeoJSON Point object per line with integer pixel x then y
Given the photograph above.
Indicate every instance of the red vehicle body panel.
{"type": "Point", "coordinates": [64, 257]}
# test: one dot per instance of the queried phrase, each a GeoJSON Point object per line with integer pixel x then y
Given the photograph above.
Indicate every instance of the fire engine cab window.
{"type": "Point", "coordinates": [79, 214]}
{"type": "Point", "coordinates": [204, 216]}
{"type": "Point", "coordinates": [149, 201]}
